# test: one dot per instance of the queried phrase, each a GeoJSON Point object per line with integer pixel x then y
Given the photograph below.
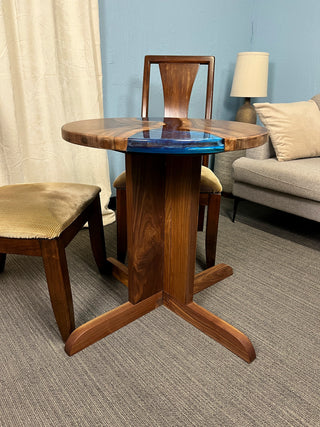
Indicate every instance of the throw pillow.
{"type": "Point", "coordinates": [316, 99]}
{"type": "Point", "coordinates": [294, 128]}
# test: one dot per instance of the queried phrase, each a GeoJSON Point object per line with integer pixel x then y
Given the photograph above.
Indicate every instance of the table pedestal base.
{"type": "Point", "coordinates": [162, 215]}
{"type": "Point", "coordinates": [204, 320]}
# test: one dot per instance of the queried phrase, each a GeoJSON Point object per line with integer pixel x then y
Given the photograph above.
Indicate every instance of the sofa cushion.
{"type": "Point", "coordinates": [264, 151]}
{"type": "Point", "coordinates": [299, 177]}
{"type": "Point", "coordinates": [305, 208]}
{"type": "Point", "coordinates": [294, 128]}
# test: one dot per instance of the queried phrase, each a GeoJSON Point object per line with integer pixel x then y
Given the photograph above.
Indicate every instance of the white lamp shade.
{"type": "Point", "coordinates": [250, 78]}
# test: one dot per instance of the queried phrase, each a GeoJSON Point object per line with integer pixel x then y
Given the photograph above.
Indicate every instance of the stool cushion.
{"type": "Point", "coordinates": [42, 210]}
{"type": "Point", "coordinates": [209, 181]}
{"type": "Point", "coordinates": [120, 181]}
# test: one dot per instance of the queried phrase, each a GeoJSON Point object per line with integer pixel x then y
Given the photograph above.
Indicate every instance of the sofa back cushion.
{"type": "Point", "coordinates": [316, 99]}
{"type": "Point", "coordinates": [264, 151]}
{"type": "Point", "coordinates": [294, 128]}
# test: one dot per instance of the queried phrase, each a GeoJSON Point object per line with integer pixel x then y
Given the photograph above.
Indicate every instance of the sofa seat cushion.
{"type": "Point", "coordinates": [297, 177]}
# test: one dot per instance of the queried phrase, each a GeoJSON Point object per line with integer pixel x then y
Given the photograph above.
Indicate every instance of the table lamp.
{"type": "Point", "coordinates": [250, 80]}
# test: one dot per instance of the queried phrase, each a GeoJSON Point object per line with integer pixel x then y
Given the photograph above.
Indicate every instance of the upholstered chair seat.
{"type": "Point", "coordinates": [41, 219]}
{"type": "Point", "coordinates": [30, 211]}
{"type": "Point", "coordinates": [209, 181]}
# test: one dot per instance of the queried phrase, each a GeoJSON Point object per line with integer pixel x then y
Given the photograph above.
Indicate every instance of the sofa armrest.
{"type": "Point", "coordinates": [262, 152]}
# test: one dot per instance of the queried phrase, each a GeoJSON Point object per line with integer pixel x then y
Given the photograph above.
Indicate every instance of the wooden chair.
{"type": "Point", "coordinates": [178, 74]}
{"type": "Point", "coordinates": [41, 220]}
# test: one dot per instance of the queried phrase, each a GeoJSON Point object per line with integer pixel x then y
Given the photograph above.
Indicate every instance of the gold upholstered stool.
{"type": "Point", "coordinates": [41, 219]}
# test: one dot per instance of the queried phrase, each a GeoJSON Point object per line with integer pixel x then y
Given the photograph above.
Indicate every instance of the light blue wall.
{"type": "Point", "coordinates": [131, 29]}
{"type": "Point", "coordinates": [290, 31]}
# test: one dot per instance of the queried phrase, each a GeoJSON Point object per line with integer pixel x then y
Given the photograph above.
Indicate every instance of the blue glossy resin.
{"type": "Point", "coordinates": [166, 140]}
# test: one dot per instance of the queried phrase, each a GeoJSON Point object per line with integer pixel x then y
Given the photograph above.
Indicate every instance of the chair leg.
{"type": "Point", "coordinates": [56, 269]}
{"type": "Point", "coordinates": [2, 261]}
{"type": "Point", "coordinates": [235, 207]}
{"type": "Point", "coordinates": [201, 217]}
{"type": "Point", "coordinates": [97, 236]}
{"type": "Point", "coordinates": [212, 228]}
{"type": "Point", "coordinates": [121, 214]}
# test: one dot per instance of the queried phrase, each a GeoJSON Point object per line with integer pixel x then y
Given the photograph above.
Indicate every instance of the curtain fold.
{"type": "Point", "coordinates": [50, 74]}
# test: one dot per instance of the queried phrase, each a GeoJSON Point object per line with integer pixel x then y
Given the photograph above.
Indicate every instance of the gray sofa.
{"type": "Point", "coordinates": [292, 186]}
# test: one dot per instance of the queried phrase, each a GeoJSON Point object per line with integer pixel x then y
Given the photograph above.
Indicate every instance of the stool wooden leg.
{"type": "Point", "coordinates": [201, 217]}
{"type": "Point", "coordinates": [121, 224]}
{"type": "Point", "coordinates": [2, 261]}
{"type": "Point", "coordinates": [56, 268]}
{"type": "Point", "coordinates": [212, 228]}
{"type": "Point", "coordinates": [97, 236]}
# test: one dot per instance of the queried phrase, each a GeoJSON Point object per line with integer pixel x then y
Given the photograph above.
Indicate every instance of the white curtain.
{"type": "Point", "coordinates": [50, 74]}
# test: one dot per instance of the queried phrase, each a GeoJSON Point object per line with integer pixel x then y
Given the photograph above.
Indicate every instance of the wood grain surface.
{"type": "Point", "coordinates": [113, 133]}
{"type": "Point", "coordinates": [162, 199]}
{"type": "Point", "coordinates": [214, 327]}
{"type": "Point", "coordinates": [109, 322]}
{"type": "Point", "coordinates": [145, 215]}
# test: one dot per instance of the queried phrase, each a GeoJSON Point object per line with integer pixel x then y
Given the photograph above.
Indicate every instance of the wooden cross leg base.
{"type": "Point", "coordinates": [216, 328]}
{"type": "Point", "coordinates": [162, 206]}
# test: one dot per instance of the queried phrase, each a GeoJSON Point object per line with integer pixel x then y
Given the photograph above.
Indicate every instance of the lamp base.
{"type": "Point", "coordinates": [246, 113]}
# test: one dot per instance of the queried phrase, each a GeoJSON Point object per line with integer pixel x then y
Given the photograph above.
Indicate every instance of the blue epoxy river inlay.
{"type": "Point", "coordinates": [166, 140]}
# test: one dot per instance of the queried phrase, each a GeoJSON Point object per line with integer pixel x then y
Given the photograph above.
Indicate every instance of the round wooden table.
{"type": "Point", "coordinates": [163, 164]}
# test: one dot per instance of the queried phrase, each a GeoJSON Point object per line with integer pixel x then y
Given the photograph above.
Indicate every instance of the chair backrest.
{"type": "Point", "coordinates": [178, 74]}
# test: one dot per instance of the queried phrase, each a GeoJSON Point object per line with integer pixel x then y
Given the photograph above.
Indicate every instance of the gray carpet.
{"type": "Point", "coordinates": [159, 370]}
